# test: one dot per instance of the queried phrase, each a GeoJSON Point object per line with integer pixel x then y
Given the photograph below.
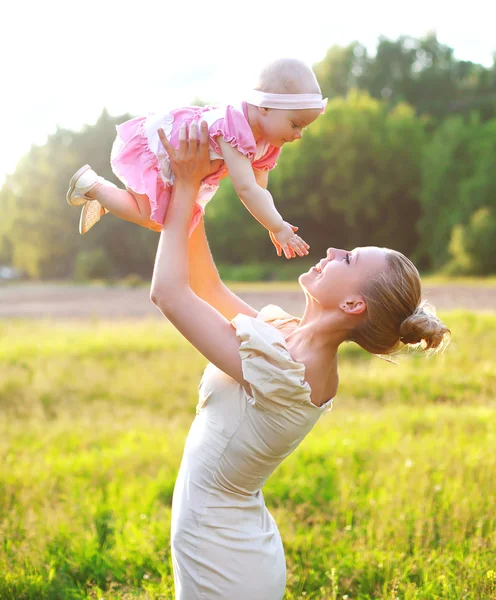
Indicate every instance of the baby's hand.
{"type": "Point", "coordinates": [285, 240]}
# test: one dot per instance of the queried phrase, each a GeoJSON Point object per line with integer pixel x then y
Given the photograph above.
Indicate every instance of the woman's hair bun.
{"type": "Point", "coordinates": [423, 327]}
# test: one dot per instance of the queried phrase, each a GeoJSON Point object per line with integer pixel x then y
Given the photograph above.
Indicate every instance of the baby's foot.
{"type": "Point", "coordinates": [82, 186]}
{"type": "Point", "coordinates": [91, 213]}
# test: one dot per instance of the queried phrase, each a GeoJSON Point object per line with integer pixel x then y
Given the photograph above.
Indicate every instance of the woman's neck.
{"type": "Point", "coordinates": [317, 338]}
{"type": "Point", "coordinates": [309, 338]}
{"type": "Point", "coordinates": [314, 345]}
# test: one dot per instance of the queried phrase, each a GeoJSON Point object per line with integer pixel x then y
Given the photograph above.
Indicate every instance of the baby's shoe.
{"type": "Point", "coordinates": [82, 182]}
{"type": "Point", "coordinates": [91, 213]}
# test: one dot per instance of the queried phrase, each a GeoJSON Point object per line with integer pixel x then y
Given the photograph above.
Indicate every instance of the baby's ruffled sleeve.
{"type": "Point", "coordinates": [234, 129]}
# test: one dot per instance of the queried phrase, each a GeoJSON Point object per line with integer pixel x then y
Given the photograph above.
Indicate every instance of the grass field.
{"type": "Point", "coordinates": [392, 496]}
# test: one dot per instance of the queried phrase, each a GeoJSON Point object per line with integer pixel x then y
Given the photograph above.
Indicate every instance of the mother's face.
{"type": "Point", "coordinates": [342, 274]}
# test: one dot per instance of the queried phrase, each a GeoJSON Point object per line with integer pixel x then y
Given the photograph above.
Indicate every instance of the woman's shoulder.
{"type": "Point", "coordinates": [262, 330]}
{"type": "Point", "coordinates": [271, 325]}
{"type": "Point", "coordinates": [323, 387]}
{"type": "Point", "coordinates": [262, 338]}
{"type": "Point", "coordinates": [275, 315]}
{"type": "Point", "coordinates": [275, 377]}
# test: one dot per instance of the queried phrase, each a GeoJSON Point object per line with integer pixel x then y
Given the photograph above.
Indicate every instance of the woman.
{"type": "Point", "coordinates": [271, 377]}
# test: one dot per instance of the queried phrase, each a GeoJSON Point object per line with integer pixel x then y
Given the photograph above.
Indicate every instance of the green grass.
{"type": "Point", "coordinates": [391, 496]}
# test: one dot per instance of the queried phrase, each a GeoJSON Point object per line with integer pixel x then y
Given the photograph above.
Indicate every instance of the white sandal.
{"type": "Point", "coordinates": [83, 181]}
{"type": "Point", "coordinates": [91, 213]}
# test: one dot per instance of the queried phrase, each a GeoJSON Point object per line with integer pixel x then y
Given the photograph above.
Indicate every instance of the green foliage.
{"type": "Point", "coordinates": [458, 179]}
{"type": "Point", "coordinates": [342, 70]}
{"type": "Point", "coordinates": [354, 179]}
{"type": "Point", "coordinates": [268, 271]}
{"type": "Point", "coordinates": [473, 246]}
{"type": "Point", "coordinates": [40, 230]}
{"type": "Point", "coordinates": [233, 234]}
{"type": "Point", "coordinates": [422, 72]}
{"type": "Point", "coordinates": [389, 164]}
{"type": "Point", "coordinates": [91, 264]}
{"type": "Point", "coordinates": [377, 500]}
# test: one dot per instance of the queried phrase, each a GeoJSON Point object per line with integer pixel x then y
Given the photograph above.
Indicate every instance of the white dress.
{"type": "Point", "coordinates": [225, 543]}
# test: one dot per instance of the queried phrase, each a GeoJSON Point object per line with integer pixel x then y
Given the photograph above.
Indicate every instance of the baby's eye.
{"type": "Point", "coordinates": [347, 258]}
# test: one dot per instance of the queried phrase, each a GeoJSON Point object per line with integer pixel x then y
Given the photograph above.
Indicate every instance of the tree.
{"type": "Point", "coordinates": [472, 246]}
{"type": "Point", "coordinates": [458, 179]}
{"type": "Point", "coordinates": [422, 72]}
{"type": "Point", "coordinates": [354, 179]}
{"type": "Point", "coordinates": [235, 236]}
{"type": "Point", "coordinates": [40, 230]}
{"type": "Point", "coordinates": [342, 70]}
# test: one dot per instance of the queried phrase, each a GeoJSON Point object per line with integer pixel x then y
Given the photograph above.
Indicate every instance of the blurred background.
{"type": "Point", "coordinates": [404, 155]}
{"type": "Point", "coordinates": [392, 496]}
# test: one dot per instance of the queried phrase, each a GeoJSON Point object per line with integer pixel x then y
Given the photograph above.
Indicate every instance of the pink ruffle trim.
{"type": "Point", "coordinates": [138, 168]}
{"type": "Point", "coordinates": [230, 140]}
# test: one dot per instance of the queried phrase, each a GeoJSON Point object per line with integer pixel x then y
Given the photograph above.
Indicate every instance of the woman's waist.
{"type": "Point", "coordinates": [193, 504]}
{"type": "Point", "coordinates": [202, 474]}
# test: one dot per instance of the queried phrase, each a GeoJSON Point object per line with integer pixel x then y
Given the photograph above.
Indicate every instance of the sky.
{"type": "Point", "coordinates": [63, 62]}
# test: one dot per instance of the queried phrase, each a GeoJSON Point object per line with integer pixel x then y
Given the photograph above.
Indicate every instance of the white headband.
{"type": "Point", "coordinates": [286, 101]}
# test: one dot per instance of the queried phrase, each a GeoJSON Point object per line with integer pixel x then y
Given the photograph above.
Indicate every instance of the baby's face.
{"type": "Point", "coordinates": [282, 126]}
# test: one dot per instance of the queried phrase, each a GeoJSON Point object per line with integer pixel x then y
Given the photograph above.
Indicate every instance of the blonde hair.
{"type": "Point", "coordinates": [396, 315]}
{"type": "Point", "coordinates": [287, 76]}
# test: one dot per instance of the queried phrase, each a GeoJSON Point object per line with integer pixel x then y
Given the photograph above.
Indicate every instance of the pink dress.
{"type": "Point", "coordinates": [140, 161]}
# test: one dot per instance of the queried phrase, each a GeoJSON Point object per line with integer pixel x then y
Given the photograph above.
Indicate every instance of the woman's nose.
{"type": "Point", "coordinates": [334, 252]}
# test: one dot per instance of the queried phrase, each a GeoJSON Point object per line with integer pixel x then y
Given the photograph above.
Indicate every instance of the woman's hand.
{"type": "Point", "coordinates": [191, 162]}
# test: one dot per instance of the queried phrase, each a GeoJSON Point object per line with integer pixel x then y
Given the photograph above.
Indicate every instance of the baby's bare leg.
{"type": "Point", "coordinates": [125, 204]}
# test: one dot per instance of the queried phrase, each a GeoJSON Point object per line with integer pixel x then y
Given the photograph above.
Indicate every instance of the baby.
{"type": "Point", "coordinates": [247, 136]}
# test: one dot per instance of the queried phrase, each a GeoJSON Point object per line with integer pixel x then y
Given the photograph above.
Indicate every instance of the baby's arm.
{"type": "Point", "coordinates": [262, 178]}
{"type": "Point", "coordinates": [259, 201]}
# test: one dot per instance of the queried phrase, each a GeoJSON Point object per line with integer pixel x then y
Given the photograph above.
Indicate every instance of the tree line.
{"type": "Point", "coordinates": [404, 156]}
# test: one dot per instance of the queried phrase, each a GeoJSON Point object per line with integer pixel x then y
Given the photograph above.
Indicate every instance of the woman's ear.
{"type": "Point", "coordinates": [263, 111]}
{"type": "Point", "coordinates": [354, 306]}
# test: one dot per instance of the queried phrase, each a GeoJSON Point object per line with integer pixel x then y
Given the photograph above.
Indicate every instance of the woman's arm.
{"type": "Point", "coordinates": [204, 326]}
{"type": "Point", "coordinates": [205, 281]}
